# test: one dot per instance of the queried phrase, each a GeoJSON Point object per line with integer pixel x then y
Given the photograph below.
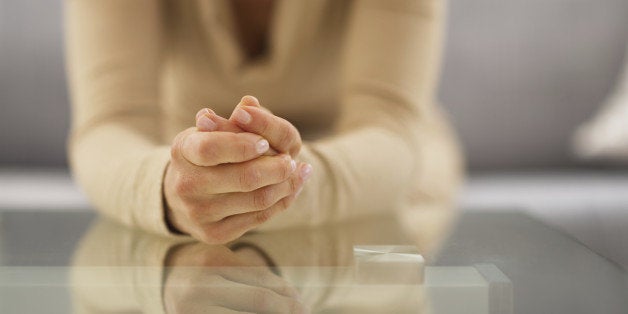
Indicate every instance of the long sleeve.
{"type": "Point", "coordinates": [392, 148]}
{"type": "Point", "coordinates": [113, 57]}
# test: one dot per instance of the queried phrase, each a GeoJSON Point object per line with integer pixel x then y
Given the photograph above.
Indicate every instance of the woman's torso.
{"type": "Point", "coordinates": [297, 77]}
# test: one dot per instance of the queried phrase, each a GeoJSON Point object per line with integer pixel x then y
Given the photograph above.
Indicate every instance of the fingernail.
{"type": "Point", "coordinates": [254, 101]}
{"type": "Point", "coordinates": [203, 111]}
{"type": "Point", "coordinates": [242, 116]}
{"type": "Point", "coordinates": [293, 165]}
{"type": "Point", "coordinates": [205, 124]}
{"type": "Point", "coordinates": [261, 146]}
{"type": "Point", "coordinates": [306, 172]}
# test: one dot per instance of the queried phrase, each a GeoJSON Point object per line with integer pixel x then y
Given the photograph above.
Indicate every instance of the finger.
{"type": "Point", "coordinates": [252, 101]}
{"type": "Point", "coordinates": [176, 151]}
{"type": "Point", "coordinates": [260, 277]}
{"type": "Point", "coordinates": [250, 175]}
{"type": "Point", "coordinates": [197, 304]}
{"type": "Point", "coordinates": [225, 125]}
{"type": "Point", "coordinates": [207, 120]}
{"type": "Point", "coordinates": [235, 226]}
{"type": "Point", "coordinates": [230, 204]}
{"type": "Point", "coordinates": [281, 134]}
{"type": "Point", "coordinates": [204, 111]}
{"type": "Point", "coordinates": [228, 126]}
{"type": "Point", "coordinates": [242, 297]}
{"type": "Point", "coordinates": [213, 148]}
{"type": "Point", "coordinates": [203, 122]}
{"type": "Point", "coordinates": [217, 310]}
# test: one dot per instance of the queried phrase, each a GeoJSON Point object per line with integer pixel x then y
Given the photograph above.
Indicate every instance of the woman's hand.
{"type": "Point", "coordinates": [250, 116]}
{"type": "Point", "coordinates": [219, 184]}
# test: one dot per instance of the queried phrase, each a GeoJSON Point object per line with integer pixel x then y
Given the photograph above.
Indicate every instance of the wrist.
{"type": "Point", "coordinates": [167, 198]}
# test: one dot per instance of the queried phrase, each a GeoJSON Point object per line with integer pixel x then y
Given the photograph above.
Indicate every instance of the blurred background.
{"type": "Point", "coordinates": [519, 76]}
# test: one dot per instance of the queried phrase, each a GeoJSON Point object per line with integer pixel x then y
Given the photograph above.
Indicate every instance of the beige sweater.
{"type": "Point", "coordinates": [357, 78]}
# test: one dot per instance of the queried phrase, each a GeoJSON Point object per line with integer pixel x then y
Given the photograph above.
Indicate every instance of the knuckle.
{"type": "Point", "coordinates": [262, 198]}
{"type": "Point", "coordinates": [260, 277]}
{"type": "Point", "coordinates": [284, 203]}
{"type": "Point", "coordinates": [249, 178]}
{"type": "Point", "coordinates": [244, 150]}
{"type": "Point", "coordinates": [230, 137]}
{"type": "Point", "coordinates": [206, 150]}
{"type": "Point", "coordinates": [213, 235]}
{"type": "Point", "coordinates": [285, 139]}
{"type": "Point", "coordinates": [294, 185]}
{"type": "Point", "coordinates": [264, 125]}
{"type": "Point", "coordinates": [296, 144]}
{"type": "Point", "coordinates": [262, 299]}
{"type": "Point", "coordinates": [184, 185]}
{"type": "Point", "coordinates": [177, 143]}
{"type": "Point", "coordinates": [200, 212]}
{"type": "Point", "coordinates": [174, 150]}
{"type": "Point", "coordinates": [211, 214]}
{"type": "Point", "coordinates": [194, 212]}
{"type": "Point", "coordinates": [285, 289]}
{"type": "Point", "coordinates": [284, 168]}
{"type": "Point", "coordinates": [263, 216]}
{"type": "Point", "coordinates": [180, 143]}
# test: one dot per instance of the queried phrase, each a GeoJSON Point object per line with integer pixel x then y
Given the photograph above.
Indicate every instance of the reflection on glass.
{"type": "Point", "coordinates": [376, 265]}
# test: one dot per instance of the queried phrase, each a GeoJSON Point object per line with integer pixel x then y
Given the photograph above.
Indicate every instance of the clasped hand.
{"type": "Point", "coordinates": [228, 176]}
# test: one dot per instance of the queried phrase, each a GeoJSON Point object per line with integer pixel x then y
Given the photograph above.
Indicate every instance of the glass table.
{"type": "Point", "coordinates": [441, 262]}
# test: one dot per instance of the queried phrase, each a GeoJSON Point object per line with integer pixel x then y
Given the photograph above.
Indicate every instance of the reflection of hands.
{"type": "Point", "coordinates": [221, 181]}
{"type": "Point", "coordinates": [213, 279]}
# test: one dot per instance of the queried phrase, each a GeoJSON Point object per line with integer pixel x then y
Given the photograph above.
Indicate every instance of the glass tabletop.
{"type": "Point", "coordinates": [435, 262]}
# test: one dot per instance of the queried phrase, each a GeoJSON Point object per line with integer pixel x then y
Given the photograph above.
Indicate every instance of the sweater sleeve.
{"type": "Point", "coordinates": [392, 147]}
{"type": "Point", "coordinates": [113, 56]}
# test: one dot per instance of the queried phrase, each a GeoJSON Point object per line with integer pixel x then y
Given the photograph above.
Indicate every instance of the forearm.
{"type": "Point", "coordinates": [375, 169]}
{"type": "Point", "coordinates": [113, 62]}
{"type": "Point", "coordinates": [121, 170]}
